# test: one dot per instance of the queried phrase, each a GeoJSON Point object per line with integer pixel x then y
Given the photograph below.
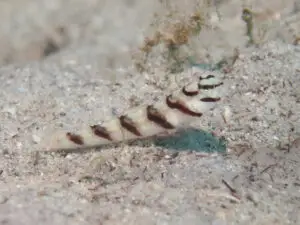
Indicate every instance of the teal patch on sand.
{"type": "Point", "coordinates": [193, 140]}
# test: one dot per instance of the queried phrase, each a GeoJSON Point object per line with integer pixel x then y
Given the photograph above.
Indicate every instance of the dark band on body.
{"type": "Point", "coordinates": [102, 132]}
{"type": "Point", "coordinates": [182, 108]}
{"type": "Point", "coordinates": [129, 125]}
{"type": "Point", "coordinates": [77, 139]}
{"type": "Point", "coordinates": [209, 86]}
{"type": "Point", "coordinates": [155, 116]}
{"type": "Point", "coordinates": [209, 99]}
{"type": "Point", "coordinates": [208, 77]}
{"type": "Point", "coordinates": [189, 93]}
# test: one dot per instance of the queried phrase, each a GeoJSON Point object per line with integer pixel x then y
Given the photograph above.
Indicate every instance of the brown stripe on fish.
{"type": "Point", "coordinates": [207, 77]}
{"type": "Point", "coordinates": [209, 86]}
{"type": "Point", "coordinates": [209, 99]}
{"type": "Point", "coordinates": [101, 131]}
{"type": "Point", "coordinates": [129, 125]}
{"type": "Point", "coordinates": [182, 108]}
{"type": "Point", "coordinates": [155, 116]}
{"type": "Point", "coordinates": [189, 93]}
{"type": "Point", "coordinates": [77, 139]}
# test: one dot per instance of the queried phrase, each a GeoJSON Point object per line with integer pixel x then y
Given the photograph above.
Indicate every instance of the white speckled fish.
{"type": "Point", "coordinates": [177, 109]}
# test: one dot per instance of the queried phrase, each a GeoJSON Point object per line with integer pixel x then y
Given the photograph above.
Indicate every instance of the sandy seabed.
{"type": "Point", "coordinates": [70, 63]}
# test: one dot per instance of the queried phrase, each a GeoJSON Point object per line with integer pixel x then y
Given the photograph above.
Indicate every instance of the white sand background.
{"type": "Point", "coordinates": [92, 77]}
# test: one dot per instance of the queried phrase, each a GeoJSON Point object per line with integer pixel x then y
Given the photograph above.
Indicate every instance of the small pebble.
{"type": "Point", "coordinates": [3, 199]}
{"type": "Point", "coordinates": [227, 114]}
{"type": "Point", "coordinates": [36, 139]}
{"type": "Point", "coordinates": [11, 110]}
